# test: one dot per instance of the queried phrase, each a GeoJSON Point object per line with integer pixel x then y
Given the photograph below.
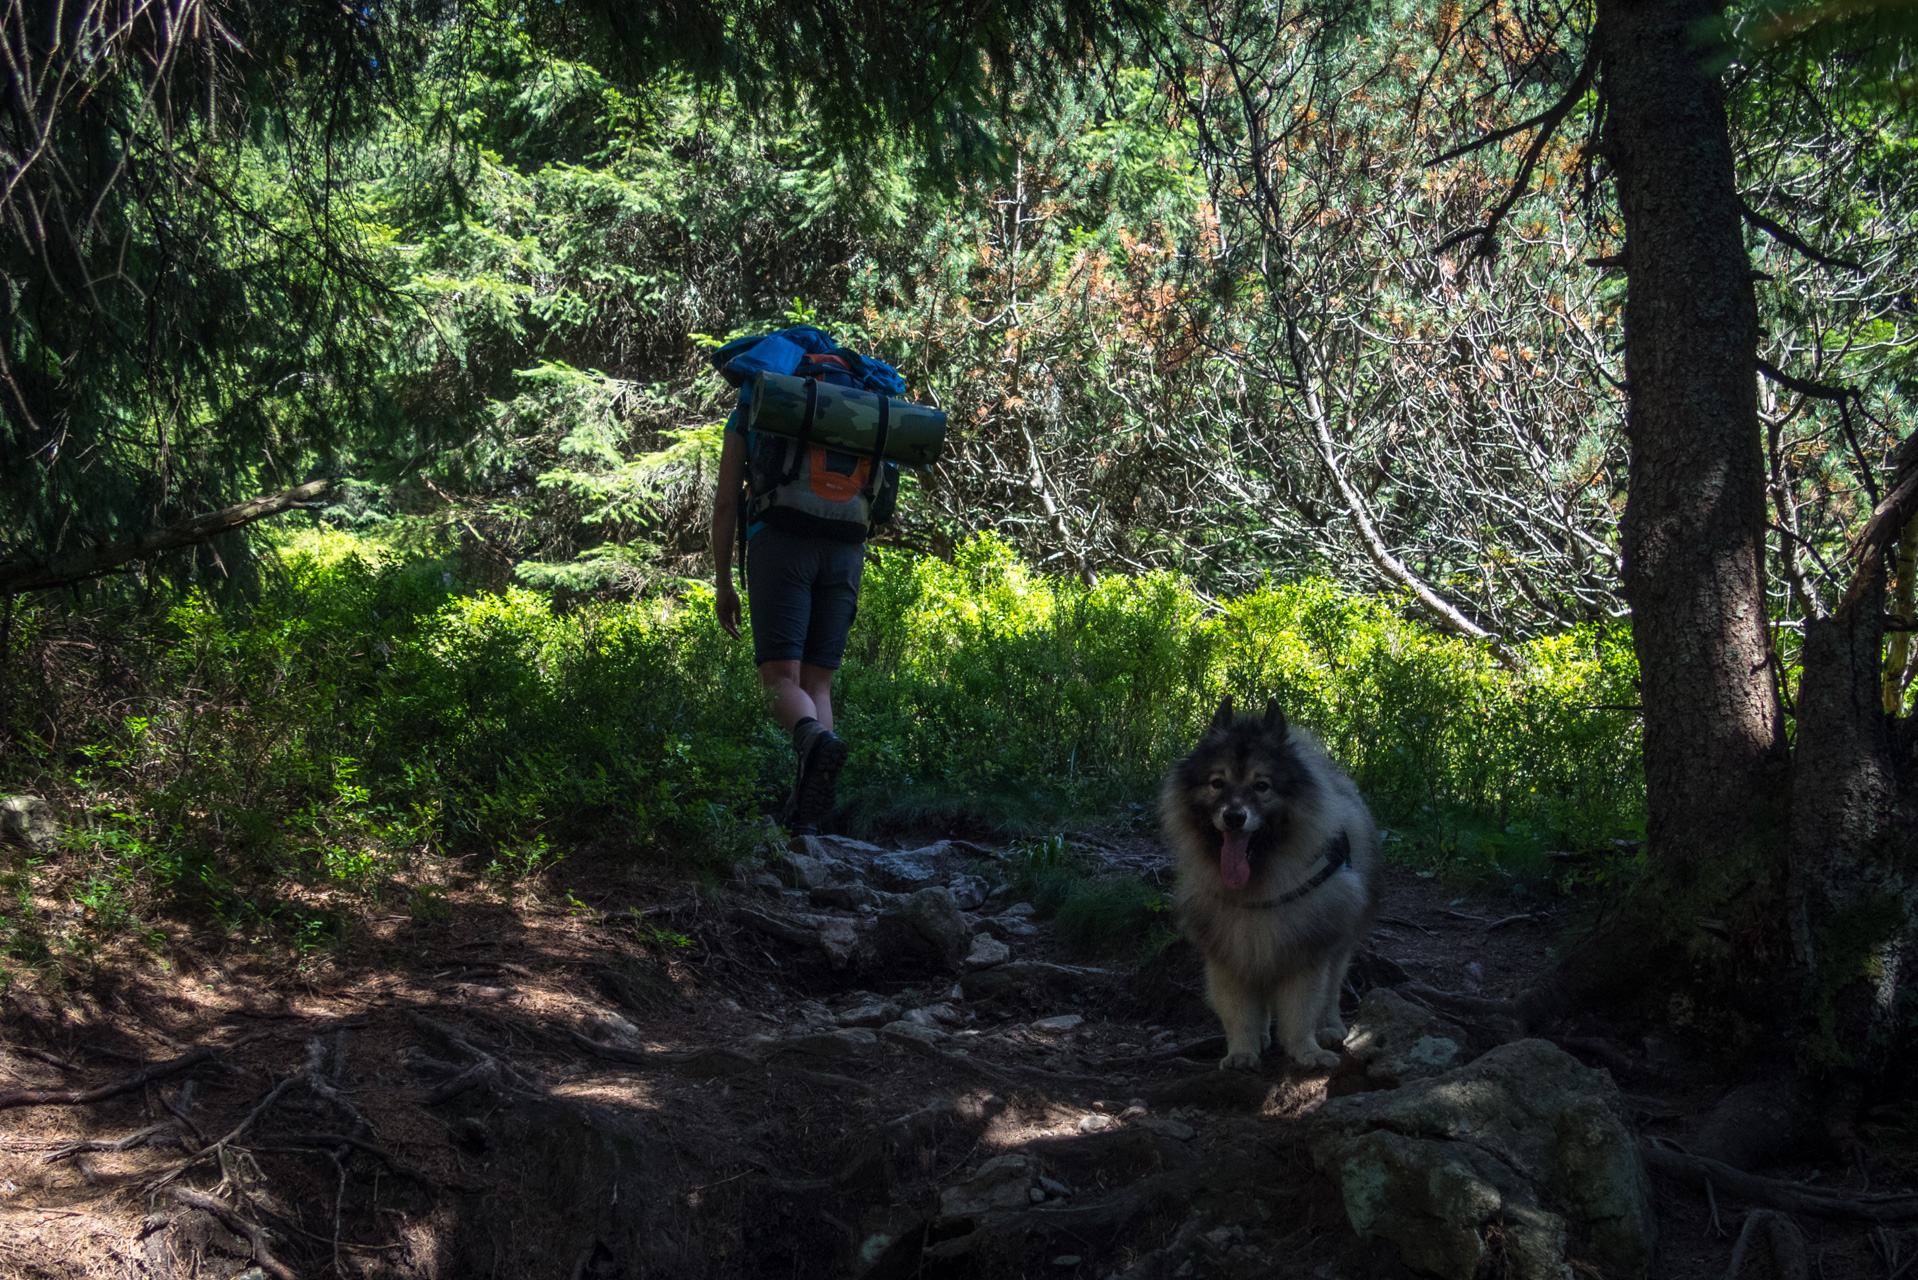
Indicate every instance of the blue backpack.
{"type": "Point", "coordinates": [793, 485]}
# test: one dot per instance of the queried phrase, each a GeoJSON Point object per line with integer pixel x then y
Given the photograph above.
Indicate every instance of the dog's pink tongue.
{"type": "Point", "coordinates": [1235, 867]}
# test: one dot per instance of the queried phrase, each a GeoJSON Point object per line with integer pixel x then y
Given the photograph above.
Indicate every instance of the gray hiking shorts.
{"type": "Point", "coordinates": [804, 594]}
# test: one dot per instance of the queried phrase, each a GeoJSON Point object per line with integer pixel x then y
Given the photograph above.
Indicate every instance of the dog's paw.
{"type": "Point", "coordinates": [1317, 1059]}
{"type": "Point", "coordinates": [1331, 1035]}
{"type": "Point", "coordinates": [1239, 1062]}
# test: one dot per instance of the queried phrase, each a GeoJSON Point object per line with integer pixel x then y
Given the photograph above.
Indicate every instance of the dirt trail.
{"type": "Point", "coordinates": [643, 1078]}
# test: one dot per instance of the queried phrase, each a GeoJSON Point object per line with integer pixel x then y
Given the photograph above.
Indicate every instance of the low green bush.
{"type": "Point", "coordinates": [364, 707]}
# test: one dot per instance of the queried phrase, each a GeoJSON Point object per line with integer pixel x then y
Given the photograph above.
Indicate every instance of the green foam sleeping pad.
{"type": "Point", "coordinates": [847, 419]}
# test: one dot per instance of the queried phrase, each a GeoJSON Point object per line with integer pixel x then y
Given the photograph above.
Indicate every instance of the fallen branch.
{"type": "Point", "coordinates": [126, 1084]}
{"type": "Point", "coordinates": [1699, 1171]}
{"type": "Point", "coordinates": [255, 1234]}
{"type": "Point", "coordinates": [94, 561]}
{"type": "Point", "coordinates": [1500, 924]}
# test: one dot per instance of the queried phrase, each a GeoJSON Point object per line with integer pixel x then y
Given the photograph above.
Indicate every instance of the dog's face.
{"type": "Point", "coordinates": [1240, 786]}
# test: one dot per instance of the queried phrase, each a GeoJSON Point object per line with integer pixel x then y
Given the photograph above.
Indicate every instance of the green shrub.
{"type": "Point", "coordinates": [362, 708]}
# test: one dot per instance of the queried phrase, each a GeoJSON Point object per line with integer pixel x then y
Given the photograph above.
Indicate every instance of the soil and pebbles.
{"type": "Point", "coordinates": [870, 1061]}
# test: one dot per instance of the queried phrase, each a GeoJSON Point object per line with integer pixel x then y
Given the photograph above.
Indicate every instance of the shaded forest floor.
{"type": "Point", "coordinates": [620, 1074]}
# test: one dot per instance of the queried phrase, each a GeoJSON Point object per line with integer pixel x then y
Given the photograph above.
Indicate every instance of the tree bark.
{"type": "Point", "coordinates": [1694, 526]}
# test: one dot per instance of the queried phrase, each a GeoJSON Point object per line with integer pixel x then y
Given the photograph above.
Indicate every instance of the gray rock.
{"type": "Point", "coordinates": [849, 1042]}
{"type": "Point", "coordinates": [1166, 1125]}
{"type": "Point", "coordinates": [1393, 1041]}
{"type": "Point", "coordinates": [876, 1014]}
{"type": "Point", "coordinates": [909, 869]}
{"type": "Point", "coordinates": [1018, 909]}
{"type": "Point", "coordinates": [1003, 929]}
{"type": "Point", "coordinates": [846, 897]}
{"type": "Point", "coordinates": [1000, 1184]}
{"type": "Point", "coordinates": [1058, 1023]}
{"type": "Point", "coordinates": [928, 928]}
{"type": "Point", "coordinates": [610, 1026]}
{"type": "Point", "coordinates": [1097, 1123]}
{"type": "Point", "coordinates": [1525, 1136]}
{"type": "Point", "coordinates": [987, 951]}
{"type": "Point", "coordinates": [839, 940]}
{"type": "Point", "coordinates": [30, 822]}
{"type": "Point", "coordinates": [813, 873]}
{"type": "Point", "coordinates": [903, 1030]}
{"type": "Point", "coordinates": [835, 848]}
{"type": "Point", "coordinates": [969, 892]}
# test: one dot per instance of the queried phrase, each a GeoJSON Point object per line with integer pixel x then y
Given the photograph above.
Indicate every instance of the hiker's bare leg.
{"type": "Point", "coordinates": [817, 683]}
{"type": "Point", "coordinates": [796, 690]}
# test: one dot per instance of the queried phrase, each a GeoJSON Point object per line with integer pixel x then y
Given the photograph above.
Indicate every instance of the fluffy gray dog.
{"type": "Point", "coordinates": [1278, 881]}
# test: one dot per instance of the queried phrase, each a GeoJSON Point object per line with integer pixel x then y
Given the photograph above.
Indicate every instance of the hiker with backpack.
{"type": "Point", "coordinates": [801, 510]}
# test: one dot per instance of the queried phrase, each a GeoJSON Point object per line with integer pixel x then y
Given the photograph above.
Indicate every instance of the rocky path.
{"type": "Point", "coordinates": [853, 1060]}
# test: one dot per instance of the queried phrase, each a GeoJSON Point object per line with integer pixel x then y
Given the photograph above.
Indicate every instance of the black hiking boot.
{"type": "Point", "coordinates": [821, 756]}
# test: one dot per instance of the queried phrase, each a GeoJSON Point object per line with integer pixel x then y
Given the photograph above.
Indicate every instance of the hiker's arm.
{"type": "Point", "coordinates": [732, 465]}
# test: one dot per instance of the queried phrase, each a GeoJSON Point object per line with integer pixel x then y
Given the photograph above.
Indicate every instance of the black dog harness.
{"type": "Point", "coordinates": [1336, 857]}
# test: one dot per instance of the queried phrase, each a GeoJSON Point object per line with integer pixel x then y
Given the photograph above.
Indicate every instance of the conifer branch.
{"type": "Point", "coordinates": [95, 561]}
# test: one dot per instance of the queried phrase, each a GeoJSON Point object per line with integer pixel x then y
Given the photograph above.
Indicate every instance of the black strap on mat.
{"type": "Point", "coordinates": [871, 486]}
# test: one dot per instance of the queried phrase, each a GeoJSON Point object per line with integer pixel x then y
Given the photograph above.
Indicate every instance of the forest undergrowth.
{"type": "Point", "coordinates": [367, 730]}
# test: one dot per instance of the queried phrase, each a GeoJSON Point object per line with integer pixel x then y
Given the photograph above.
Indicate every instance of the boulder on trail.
{"type": "Point", "coordinates": [1525, 1153]}
{"type": "Point", "coordinates": [1002, 1184]}
{"type": "Point", "coordinates": [969, 892]}
{"type": "Point", "coordinates": [872, 1013]}
{"type": "Point", "coordinates": [816, 873]}
{"type": "Point", "coordinates": [1394, 1042]}
{"type": "Point", "coordinates": [987, 951]}
{"type": "Point", "coordinates": [910, 869]}
{"type": "Point", "coordinates": [28, 821]}
{"type": "Point", "coordinates": [926, 929]}
{"type": "Point", "coordinates": [845, 849]}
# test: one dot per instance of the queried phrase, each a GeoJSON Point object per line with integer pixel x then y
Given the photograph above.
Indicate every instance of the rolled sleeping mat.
{"type": "Point", "coordinates": [846, 418]}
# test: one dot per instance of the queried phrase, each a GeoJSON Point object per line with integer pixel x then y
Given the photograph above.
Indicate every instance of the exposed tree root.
{"type": "Point", "coordinates": [128, 1143]}
{"type": "Point", "coordinates": [1786, 1241]}
{"type": "Point", "coordinates": [1009, 1076]}
{"type": "Point", "coordinates": [1006, 1232]}
{"type": "Point", "coordinates": [255, 1234]}
{"type": "Point", "coordinates": [1161, 1262]}
{"type": "Point", "coordinates": [126, 1084]}
{"type": "Point", "coordinates": [1698, 1171]}
{"type": "Point", "coordinates": [486, 1069]}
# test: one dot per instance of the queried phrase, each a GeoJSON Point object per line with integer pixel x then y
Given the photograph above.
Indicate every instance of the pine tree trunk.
{"type": "Point", "coordinates": [1694, 525]}
{"type": "Point", "coordinates": [1805, 862]}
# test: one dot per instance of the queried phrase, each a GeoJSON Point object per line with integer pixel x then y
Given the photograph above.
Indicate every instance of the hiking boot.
{"type": "Point", "coordinates": [821, 757]}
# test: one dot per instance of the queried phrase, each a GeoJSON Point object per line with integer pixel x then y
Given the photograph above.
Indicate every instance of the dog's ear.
{"type": "Point", "coordinates": [1274, 718]}
{"type": "Point", "coordinates": [1222, 718]}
